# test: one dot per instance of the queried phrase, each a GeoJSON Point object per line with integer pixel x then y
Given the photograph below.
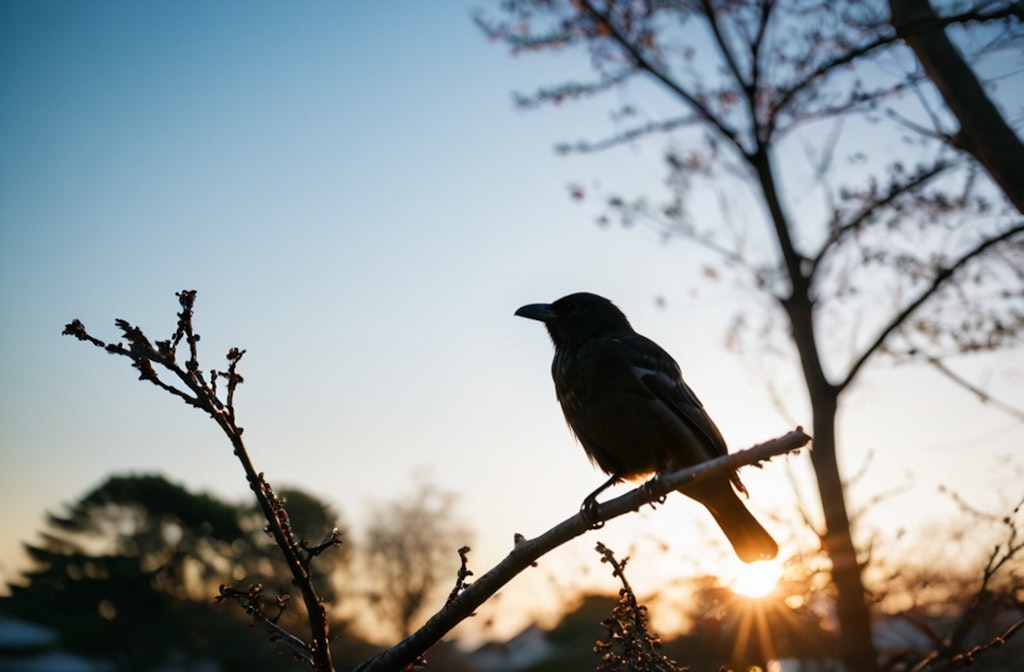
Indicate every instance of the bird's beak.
{"type": "Point", "coordinates": [537, 311]}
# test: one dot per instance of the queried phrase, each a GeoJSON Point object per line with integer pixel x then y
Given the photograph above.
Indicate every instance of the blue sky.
{"type": "Point", "coordinates": [358, 203]}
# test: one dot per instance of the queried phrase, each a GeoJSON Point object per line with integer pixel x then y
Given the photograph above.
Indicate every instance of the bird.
{"type": "Point", "coordinates": [625, 400]}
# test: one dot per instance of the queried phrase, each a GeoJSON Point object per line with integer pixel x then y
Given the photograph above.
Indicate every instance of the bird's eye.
{"type": "Point", "coordinates": [570, 308]}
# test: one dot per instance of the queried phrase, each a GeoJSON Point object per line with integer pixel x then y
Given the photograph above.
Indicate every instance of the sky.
{"type": "Point", "coordinates": [361, 207]}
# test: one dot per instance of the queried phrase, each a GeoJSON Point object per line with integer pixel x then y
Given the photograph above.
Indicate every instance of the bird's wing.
{"type": "Point", "coordinates": [660, 375]}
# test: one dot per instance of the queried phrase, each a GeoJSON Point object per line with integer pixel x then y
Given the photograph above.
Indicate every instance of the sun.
{"type": "Point", "coordinates": [756, 580]}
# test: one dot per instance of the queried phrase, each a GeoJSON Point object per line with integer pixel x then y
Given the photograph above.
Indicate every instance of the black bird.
{"type": "Point", "coordinates": [624, 398]}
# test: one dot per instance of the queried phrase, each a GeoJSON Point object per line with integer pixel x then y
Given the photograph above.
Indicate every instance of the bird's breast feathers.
{"type": "Point", "coordinates": [626, 402]}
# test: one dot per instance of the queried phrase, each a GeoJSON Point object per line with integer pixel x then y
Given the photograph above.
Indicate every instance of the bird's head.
{"type": "Point", "coordinates": [573, 319]}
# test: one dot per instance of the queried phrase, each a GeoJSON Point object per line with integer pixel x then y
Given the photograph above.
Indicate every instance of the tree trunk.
{"type": "Point", "coordinates": [983, 131]}
{"type": "Point", "coordinates": [857, 647]}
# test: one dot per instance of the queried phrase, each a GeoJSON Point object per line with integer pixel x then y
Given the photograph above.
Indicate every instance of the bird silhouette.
{"type": "Point", "coordinates": [625, 400]}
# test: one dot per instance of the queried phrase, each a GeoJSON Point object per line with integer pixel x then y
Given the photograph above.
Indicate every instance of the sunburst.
{"type": "Point", "coordinates": [757, 580]}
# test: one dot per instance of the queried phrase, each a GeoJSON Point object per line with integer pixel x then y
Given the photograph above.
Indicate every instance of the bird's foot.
{"type": "Point", "coordinates": [589, 511]}
{"type": "Point", "coordinates": [647, 488]}
{"type": "Point", "coordinates": [590, 505]}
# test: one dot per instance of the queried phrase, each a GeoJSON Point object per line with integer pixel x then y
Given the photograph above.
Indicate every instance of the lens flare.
{"type": "Point", "coordinates": [757, 580]}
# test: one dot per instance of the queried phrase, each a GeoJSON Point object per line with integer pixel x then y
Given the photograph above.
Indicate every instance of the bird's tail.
{"type": "Point", "coordinates": [750, 541]}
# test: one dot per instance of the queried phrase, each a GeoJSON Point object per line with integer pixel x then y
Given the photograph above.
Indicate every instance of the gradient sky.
{"type": "Point", "coordinates": [359, 205]}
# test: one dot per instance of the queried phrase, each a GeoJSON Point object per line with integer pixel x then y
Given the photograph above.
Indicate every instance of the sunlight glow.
{"type": "Point", "coordinates": [757, 580]}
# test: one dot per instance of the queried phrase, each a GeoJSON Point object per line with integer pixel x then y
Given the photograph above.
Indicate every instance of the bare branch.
{"type": "Point", "coordinates": [569, 91]}
{"type": "Point", "coordinates": [526, 552]}
{"type": "Point", "coordinates": [741, 78]}
{"type": "Point", "coordinates": [787, 95]}
{"type": "Point", "coordinates": [938, 283]}
{"type": "Point", "coordinates": [645, 64]}
{"type": "Point", "coordinates": [887, 38]}
{"type": "Point", "coordinates": [143, 356]}
{"type": "Point", "coordinates": [870, 210]}
{"type": "Point", "coordinates": [251, 600]}
{"type": "Point", "coordinates": [629, 135]}
{"type": "Point", "coordinates": [983, 396]}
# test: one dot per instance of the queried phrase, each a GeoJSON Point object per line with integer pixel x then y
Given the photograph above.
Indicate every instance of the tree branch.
{"type": "Point", "coordinates": [983, 396]}
{"type": "Point", "coordinates": [643, 63]}
{"type": "Point", "coordinates": [711, 14]}
{"type": "Point", "coordinates": [628, 135]}
{"type": "Point", "coordinates": [938, 283]}
{"type": "Point", "coordinates": [788, 94]}
{"type": "Point", "coordinates": [568, 91]}
{"type": "Point", "coordinates": [907, 29]}
{"type": "Point", "coordinates": [143, 355]}
{"type": "Point", "coordinates": [866, 212]}
{"type": "Point", "coordinates": [526, 552]}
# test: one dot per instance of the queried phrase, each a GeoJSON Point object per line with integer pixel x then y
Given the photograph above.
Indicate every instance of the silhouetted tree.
{"type": "Point", "coordinates": [905, 248]}
{"type": "Point", "coordinates": [410, 553]}
{"type": "Point", "coordinates": [127, 573]}
{"type": "Point", "coordinates": [178, 537]}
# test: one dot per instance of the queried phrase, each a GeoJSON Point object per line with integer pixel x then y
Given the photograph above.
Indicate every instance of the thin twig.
{"type": "Point", "coordinates": [983, 396]}
{"type": "Point", "coordinates": [464, 573]}
{"type": "Point", "coordinates": [251, 601]}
